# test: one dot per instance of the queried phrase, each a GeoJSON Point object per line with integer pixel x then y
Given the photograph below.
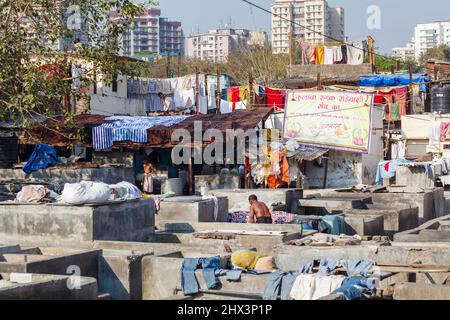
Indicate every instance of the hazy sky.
{"type": "Point", "coordinates": [398, 17]}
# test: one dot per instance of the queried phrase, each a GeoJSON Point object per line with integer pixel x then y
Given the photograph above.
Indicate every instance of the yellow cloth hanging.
{"type": "Point", "coordinates": [243, 93]}
{"type": "Point", "coordinates": [320, 53]}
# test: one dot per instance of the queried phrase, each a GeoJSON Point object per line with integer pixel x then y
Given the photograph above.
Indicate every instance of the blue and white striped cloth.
{"type": "Point", "coordinates": [132, 129]}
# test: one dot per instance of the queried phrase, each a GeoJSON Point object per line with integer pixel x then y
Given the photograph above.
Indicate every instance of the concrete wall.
{"type": "Point", "coordinates": [111, 105]}
{"type": "Point", "coordinates": [216, 181]}
{"type": "Point", "coordinates": [107, 158]}
{"type": "Point", "coordinates": [413, 177]}
{"type": "Point", "coordinates": [54, 261]}
{"type": "Point", "coordinates": [394, 219]}
{"type": "Point", "coordinates": [330, 71]}
{"type": "Point", "coordinates": [414, 291]}
{"type": "Point", "coordinates": [192, 209]}
{"type": "Point", "coordinates": [63, 224]}
{"type": "Point", "coordinates": [431, 202]}
{"type": "Point", "coordinates": [67, 175]}
{"type": "Point", "coordinates": [49, 287]}
{"type": "Point", "coordinates": [238, 199]}
{"type": "Point", "coordinates": [120, 274]}
{"type": "Point", "coordinates": [428, 232]}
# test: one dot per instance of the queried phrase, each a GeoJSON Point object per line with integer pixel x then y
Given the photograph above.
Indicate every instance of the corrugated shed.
{"type": "Point", "coordinates": [60, 132]}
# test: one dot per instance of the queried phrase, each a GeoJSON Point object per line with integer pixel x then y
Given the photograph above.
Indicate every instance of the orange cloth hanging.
{"type": "Point", "coordinates": [320, 52]}
{"type": "Point", "coordinates": [274, 181]}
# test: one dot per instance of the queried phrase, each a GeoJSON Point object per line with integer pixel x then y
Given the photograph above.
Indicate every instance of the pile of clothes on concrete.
{"type": "Point", "coordinates": [85, 192]}
{"type": "Point", "coordinates": [215, 267]}
{"type": "Point", "coordinates": [347, 279]}
{"type": "Point", "coordinates": [327, 240]}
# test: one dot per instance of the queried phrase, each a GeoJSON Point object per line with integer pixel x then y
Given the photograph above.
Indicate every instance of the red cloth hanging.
{"type": "Point", "coordinates": [275, 98]}
{"type": "Point", "coordinates": [235, 96]}
{"type": "Point", "coordinates": [401, 97]}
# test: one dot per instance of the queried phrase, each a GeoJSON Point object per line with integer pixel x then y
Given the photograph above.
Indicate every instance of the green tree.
{"type": "Point", "coordinates": [441, 52]}
{"type": "Point", "coordinates": [41, 41]}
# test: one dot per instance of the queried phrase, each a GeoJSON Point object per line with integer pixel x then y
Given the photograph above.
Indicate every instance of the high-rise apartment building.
{"type": "Point", "coordinates": [171, 38]}
{"type": "Point", "coordinates": [217, 44]}
{"type": "Point", "coordinates": [150, 34]}
{"type": "Point", "coordinates": [308, 20]}
{"type": "Point", "coordinates": [407, 52]}
{"type": "Point", "coordinates": [430, 35]}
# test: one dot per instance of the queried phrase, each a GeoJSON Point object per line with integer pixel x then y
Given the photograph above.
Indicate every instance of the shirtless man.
{"type": "Point", "coordinates": [259, 210]}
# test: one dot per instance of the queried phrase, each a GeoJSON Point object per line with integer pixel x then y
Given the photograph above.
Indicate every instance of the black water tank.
{"type": "Point", "coordinates": [9, 149]}
{"type": "Point", "coordinates": [440, 99]}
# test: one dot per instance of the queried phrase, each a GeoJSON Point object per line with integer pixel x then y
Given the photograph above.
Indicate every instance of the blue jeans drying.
{"type": "Point", "coordinates": [189, 282]}
{"type": "Point", "coordinates": [279, 282]}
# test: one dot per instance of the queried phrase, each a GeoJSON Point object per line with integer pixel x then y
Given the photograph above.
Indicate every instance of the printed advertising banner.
{"type": "Point", "coordinates": [330, 119]}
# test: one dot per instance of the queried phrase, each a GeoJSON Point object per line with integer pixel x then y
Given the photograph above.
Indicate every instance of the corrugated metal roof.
{"type": "Point", "coordinates": [58, 133]}
{"type": "Point", "coordinates": [307, 153]}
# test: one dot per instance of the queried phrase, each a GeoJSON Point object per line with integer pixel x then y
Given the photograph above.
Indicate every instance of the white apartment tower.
{"type": "Point", "coordinates": [407, 52]}
{"type": "Point", "coordinates": [217, 45]}
{"type": "Point", "coordinates": [430, 35]}
{"type": "Point", "coordinates": [311, 21]}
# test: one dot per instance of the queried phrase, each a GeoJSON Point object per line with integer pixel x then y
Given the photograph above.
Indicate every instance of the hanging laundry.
{"type": "Point", "coordinates": [261, 91]}
{"type": "Point", "coordinates": [243, 93]}
{"type": "Point", "coordinates": [337, 55]}
{"type": "Point", "coordinates": [276, 180]}
{"type": "Point", "coordinates": [151, 88]}
{"type": "Point", "coordinates": [306, 51]}
{"type": "Point", "coordinates": [312, 57]}
{"type": "Point", "coordinates": [233, 96]}
{"type": "Point", "coordinates": [344, 54]}
{"type": "Point", "coordinates": [434, 133]}
{"type": "Point", "coordinates": [275, 98]}
{"type": "Point", "coordinates": [225, 94]}
{"type": "Point", "coordinates": [444, 131]}
{"type": "Point", "coordinates": [212, 97]}
{"type": "Point", "coordinates": [320, 54]}
{"type": "Point", "coordinates": [203, 105]}
{"type": "Point", "coordinates": [329, 55]}
{"type": "Point", "coordinates": [355, 55]}
{"type": "Point", "coordinates": [164, 86]}
{"type": "Point", "coordinates": [394, 111]}
{"type": "Point", "coordinates": [183, 99]}
{"type": "Point", "coordinates": [227, 107]}
{"type": "Point", "coordinates": [153, 103]}
{"type": "Point", "coordinates": [401, 97]}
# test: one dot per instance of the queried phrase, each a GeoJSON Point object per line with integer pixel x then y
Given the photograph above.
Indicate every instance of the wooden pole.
{"type": "Point", "coordinates": [179, 64]}
{"type": "Point", "coordinates": [191, 177]}
{"type": "Point", "coordinates": [319, 82]}
{"type": "Point", "coordinates": [411, 94]}
{"type": "Point", "coordinates": [436, 72]}
{"type": "Point", "coordinates": [206, 93]}
{"type": "Point", "coordinates": [168, 66]}
{"type": "Point", "coordinates": [250, 92]}
{"type": "Point", "coordinates": [290, 55]}
{"type": "Point", "coordinates": [326, 172]}
{"type": "Point", "coordinates": [219, 93]}
{"type": "Point", "coordinates": [197, 90]}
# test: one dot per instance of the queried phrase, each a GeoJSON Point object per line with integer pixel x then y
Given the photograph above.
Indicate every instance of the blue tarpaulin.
{"type": "Point", "coordinates": [43, 156]}
{"type": "Point", "coordinates": [392, 80]}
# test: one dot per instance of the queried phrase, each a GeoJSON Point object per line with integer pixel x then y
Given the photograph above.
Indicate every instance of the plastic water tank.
{"type": "Point", "coordinates": [440, 99]}
{"type": "Point", "coordinates": [9, 149]}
